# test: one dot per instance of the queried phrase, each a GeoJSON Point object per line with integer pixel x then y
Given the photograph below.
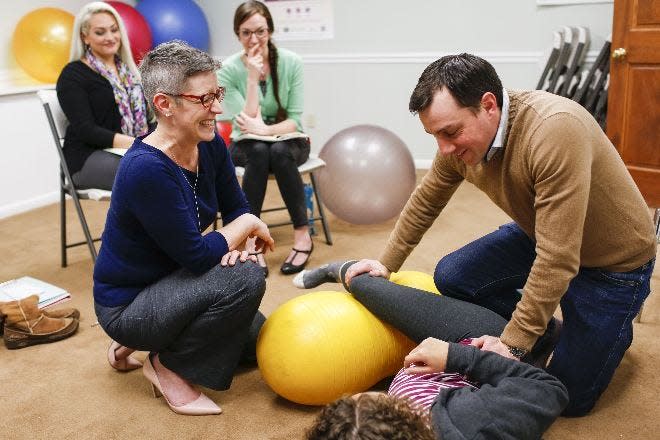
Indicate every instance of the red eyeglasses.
{"type": "Point", "coordinates": [206, 100]}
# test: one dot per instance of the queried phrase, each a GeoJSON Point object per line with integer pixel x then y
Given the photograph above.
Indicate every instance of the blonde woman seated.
{"type": "Point", "coordinates": [160, 283]}
{"type": "Point", "coordinates": [101, 96]}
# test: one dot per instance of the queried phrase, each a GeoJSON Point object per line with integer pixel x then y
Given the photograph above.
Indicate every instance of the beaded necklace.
{"type": "Point", "coordinates": [194, 188]}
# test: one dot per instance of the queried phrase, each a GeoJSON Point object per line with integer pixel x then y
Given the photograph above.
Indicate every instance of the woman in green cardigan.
{"type": "Point", "coordinates": [264, 97]}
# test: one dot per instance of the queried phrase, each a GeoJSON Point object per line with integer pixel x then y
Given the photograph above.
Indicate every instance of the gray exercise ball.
{"type": "Point", "coordinates": [369, 174]}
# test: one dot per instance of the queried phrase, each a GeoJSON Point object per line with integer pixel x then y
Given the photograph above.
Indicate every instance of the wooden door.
{"type": "Point", "coordinates": [633, 119]}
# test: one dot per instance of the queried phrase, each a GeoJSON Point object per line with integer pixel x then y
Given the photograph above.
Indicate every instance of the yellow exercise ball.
{"type": "Point", "coordinates": [41, 42]}
{"type": "Point", "coordinates": [317, 347]}
{"type": "Point", "coordinates": [412, 278]}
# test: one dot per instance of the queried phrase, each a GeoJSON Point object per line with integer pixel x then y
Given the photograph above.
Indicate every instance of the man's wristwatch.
{"type": "Point", "coordinates": [517, 351]}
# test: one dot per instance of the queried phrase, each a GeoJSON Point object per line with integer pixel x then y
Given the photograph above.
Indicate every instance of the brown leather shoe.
{"type": "Point", "coordinates": [26, 325]}
{"type": "Point", "coordinates": [66, 312]}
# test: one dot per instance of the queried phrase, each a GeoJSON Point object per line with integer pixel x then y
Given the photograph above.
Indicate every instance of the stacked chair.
{"type": "Point", "coordinates": [564, 72]}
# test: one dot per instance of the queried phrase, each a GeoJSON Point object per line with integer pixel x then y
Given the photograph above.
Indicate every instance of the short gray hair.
{"type": "Point", "coordinates": [167, 67]}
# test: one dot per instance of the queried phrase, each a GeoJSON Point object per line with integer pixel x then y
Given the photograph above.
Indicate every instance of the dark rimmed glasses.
{"type": "Point", "coordinates": [206, 100]}
{"type": "Point", "coordinates": [246, 34]}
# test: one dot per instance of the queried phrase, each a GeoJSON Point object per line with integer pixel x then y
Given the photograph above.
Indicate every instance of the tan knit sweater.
{"type": "Point", "coordinates": [562, 181]}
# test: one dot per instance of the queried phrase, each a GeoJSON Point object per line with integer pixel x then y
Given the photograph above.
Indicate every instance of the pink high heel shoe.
{"type": "Point", "coordinates": [199, 407]}
{"type": "Point", "coordinates": [126, 364]}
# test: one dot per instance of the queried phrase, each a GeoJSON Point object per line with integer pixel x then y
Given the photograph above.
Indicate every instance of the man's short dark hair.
{"type": "Point", "coordinates": [466, 76]}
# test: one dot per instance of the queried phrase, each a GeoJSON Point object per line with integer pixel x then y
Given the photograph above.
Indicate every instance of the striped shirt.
{"type": "Point", "coordinates": [421, 389]}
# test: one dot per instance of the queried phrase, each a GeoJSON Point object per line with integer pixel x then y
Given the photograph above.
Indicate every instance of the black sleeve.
{"type": "Point", "coordinates": [88, 103]}
{"type": "Point", "coordinates": [515, 400]}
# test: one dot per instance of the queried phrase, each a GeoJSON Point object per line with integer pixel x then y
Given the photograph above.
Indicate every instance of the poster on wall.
{"type": "Point", "coordinates": [302, 19]}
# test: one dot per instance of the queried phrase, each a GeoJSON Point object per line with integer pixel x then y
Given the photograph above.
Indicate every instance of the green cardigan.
{"type": "Point", "coordinates": [233, 76]}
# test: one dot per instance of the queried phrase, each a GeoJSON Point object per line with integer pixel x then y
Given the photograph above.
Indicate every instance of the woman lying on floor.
{"type": "Point", "coordinates": [467, 393]}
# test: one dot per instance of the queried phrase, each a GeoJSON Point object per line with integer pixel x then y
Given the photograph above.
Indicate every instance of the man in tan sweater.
{"type": "Point", "coordinates": [582, 237]}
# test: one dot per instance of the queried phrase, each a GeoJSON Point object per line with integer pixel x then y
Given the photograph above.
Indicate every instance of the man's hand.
{"type": "Point", "coordinates": [374, 267]}
{"type": "Point", "coordinates": [492, 343]}
{"type": "Point", "coordinates": [428, 357]}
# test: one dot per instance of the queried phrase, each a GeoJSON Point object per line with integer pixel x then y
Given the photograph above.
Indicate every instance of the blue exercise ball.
{"type": "Point", "coordinates": [176, 20]}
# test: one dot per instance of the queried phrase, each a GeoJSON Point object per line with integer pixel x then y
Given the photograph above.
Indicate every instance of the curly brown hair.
{"type": "Point", "coordinates": [370, 416]}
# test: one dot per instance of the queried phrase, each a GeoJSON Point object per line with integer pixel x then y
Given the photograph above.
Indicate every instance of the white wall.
{"type": "Point", "coordinates": [364, 75]}
{"type": "Point", "coordinates": [29, 173]}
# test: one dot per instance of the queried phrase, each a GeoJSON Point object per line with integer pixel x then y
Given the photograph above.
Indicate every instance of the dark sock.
{"type": "Point", "coordinates": [342, 272]}
{"type": "Point", "coordinates": [328, 273]}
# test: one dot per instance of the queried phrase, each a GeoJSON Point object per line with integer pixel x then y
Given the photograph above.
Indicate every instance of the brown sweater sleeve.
{"type": "Point", "coordinates": [421, 210]}
{"type": "Point", "coordinates": [560, 171]}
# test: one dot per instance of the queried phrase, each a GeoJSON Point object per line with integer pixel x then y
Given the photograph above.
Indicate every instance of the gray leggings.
{"type": "Point", "coordinates": [200, 325]}
{"type": "Point", "coordinates": [419, 314]}
{"type": "Point", "coordinates": [98, 171]}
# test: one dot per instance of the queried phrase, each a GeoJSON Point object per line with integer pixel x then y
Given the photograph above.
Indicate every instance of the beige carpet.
{"type": "Point", "coordinates": [67, 390]}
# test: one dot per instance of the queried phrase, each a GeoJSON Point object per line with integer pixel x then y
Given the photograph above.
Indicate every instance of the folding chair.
{"type": "Point", "coordinates": [58, 124]}
{"type": "Point", "coordinates": [312, 164]}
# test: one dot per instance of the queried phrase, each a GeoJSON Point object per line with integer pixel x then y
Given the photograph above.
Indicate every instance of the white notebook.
{"type": "Point", "coordinates": [25, 286]}
{"type": "Point", "coordinates": [117, 151]}
{"type": "Point", "coordinates": [275, 138]}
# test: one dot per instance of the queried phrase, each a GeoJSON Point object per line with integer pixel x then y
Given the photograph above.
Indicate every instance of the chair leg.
{"type": "Point", "coordinates": [324, 222]}
{"type": "Point", "coordinates": [63, 225]}
{"type": "Point", "coordinates": [83, 223]}
{"type": "Point", "coordinates": [309, 204]}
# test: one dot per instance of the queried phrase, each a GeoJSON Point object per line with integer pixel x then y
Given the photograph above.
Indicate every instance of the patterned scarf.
{"type": "Point", "coordinates": [128, 95]}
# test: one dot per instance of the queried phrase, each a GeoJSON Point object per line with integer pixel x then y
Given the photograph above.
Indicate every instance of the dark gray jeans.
{"type": "Point", "coordinates": [200, 325]}
{"type": "Point", "coordinates": [280, 158]}
{"type": "Point", "coordinates": [419, 314]}
{"type": "Point", "coordinates": [98, 171]}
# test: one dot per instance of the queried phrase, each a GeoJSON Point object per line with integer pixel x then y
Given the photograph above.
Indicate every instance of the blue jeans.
{"type": "Point", "coordinates": [598, 308]}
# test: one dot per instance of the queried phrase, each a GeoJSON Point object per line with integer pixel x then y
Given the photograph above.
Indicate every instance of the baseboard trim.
{"type": "Point", "coordinates": [29, 204]}
{"type": "Point", "coordinates": [537, 57]}
{"type": "Point", "coordinates": [423, 164]}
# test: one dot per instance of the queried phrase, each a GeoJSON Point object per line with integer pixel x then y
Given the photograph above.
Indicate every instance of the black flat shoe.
{"type": "Point", "coordinates": [288, 268]}
{"type": "Point", "coordinates": [263, 267]}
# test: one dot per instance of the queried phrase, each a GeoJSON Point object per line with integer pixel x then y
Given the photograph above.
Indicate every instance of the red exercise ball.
{"type": "Point", "coordinates": [224, 130]}
{"type": "Point", "coordinates": [139, 33]}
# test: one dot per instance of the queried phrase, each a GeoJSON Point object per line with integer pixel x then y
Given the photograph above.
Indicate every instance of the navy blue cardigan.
{"type": "Point", "coordinates": [151, 229]}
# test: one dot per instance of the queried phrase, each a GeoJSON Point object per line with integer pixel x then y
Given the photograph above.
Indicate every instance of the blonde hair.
{"type": "Point", "coordinates": [81, 26]}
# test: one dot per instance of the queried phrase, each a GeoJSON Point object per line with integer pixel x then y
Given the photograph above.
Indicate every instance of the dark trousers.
{"type": "Point", "coordinates": [281, 159]}
{"type": "Point", "coordinates": [598, 308]}
{"type": "Point", "coordinates": [98, 171]}
{"type": "Point", "coordinates": [200, 325]}
{"type": "Point", "coordinates": [419, 314]}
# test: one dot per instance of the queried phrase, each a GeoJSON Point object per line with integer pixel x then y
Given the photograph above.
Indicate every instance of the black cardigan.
{"type": "Point", "coordinates": [89, 104]}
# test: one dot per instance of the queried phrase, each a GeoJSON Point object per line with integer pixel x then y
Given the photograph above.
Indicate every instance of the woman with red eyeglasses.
{"type": "Point", "coordinates": [161, 283]}
{"type": "Point", "coordinates": [265, 98]}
